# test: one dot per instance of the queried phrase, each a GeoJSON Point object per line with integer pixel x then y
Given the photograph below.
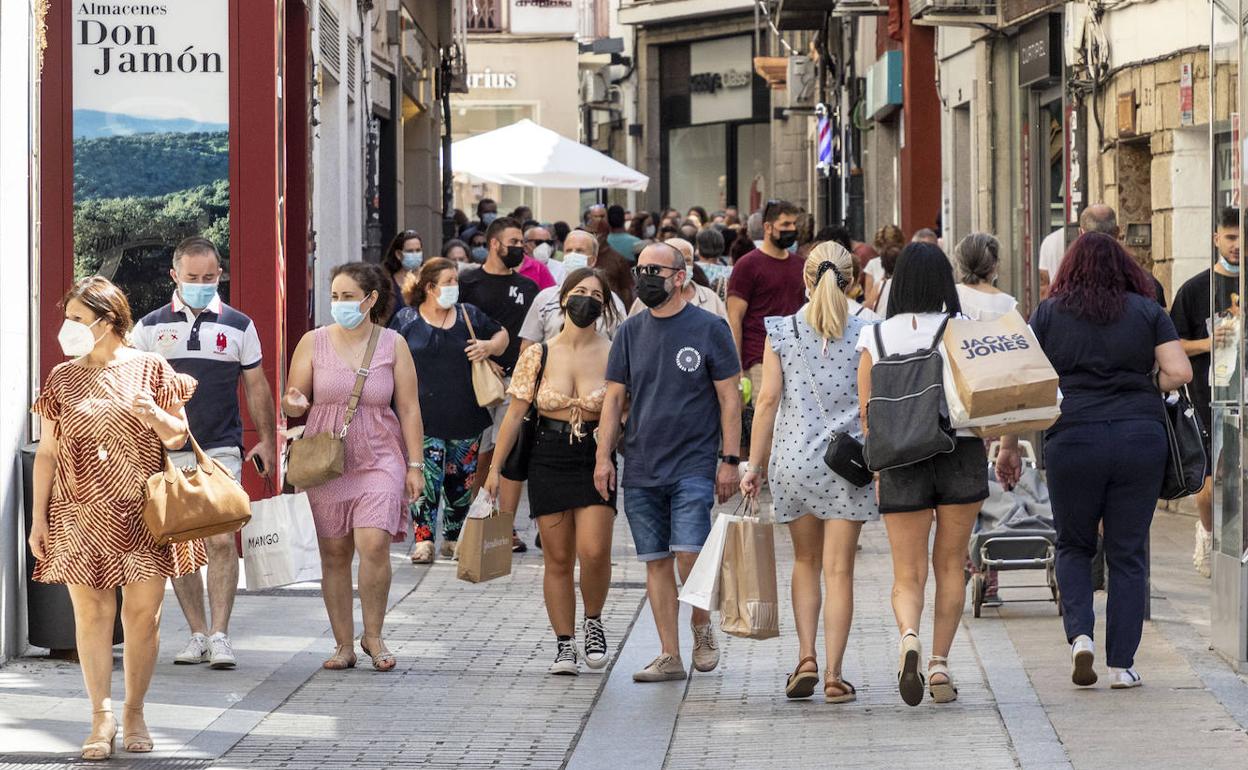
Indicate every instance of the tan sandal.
{"type": "Point", "coordinates": [845, 692]}
{"type": "Point", "coordinates": [100, 747]}
{"type": "Point", "coordinates": [383, 659]}
{"type": "Point", "coordinates": [909, 678]}
{"type": "Point", "coordinates": [801, 684]}
{"type": "Point", "coordinates": [136, 741]}
{"type": "Point", "coordinates": [941, 692]}
{"type": "Point", "coordinates": [343, 658]}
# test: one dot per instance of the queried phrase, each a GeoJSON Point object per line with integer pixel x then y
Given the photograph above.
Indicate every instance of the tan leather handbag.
{"type": "Point", "coordinates": [486, 382]}
{"type": "Point", "coordinates": [192, 503]}
{"type": "Point", "coordinates": [314, 460]}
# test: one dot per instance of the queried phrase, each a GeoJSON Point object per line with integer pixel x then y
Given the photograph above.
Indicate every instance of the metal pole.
{"type": "Point", "coordinates": [448, 182]}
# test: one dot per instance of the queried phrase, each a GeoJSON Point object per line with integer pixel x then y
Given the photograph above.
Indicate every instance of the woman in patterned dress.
{"type": "Point", "coordinates": [107, 416]}
{"type": "Point", "coordinates": [363, 510]}
{"type": "Point", "coordinates": [810, 391]}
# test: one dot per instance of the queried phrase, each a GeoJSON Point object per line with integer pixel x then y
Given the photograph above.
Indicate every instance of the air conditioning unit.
{"type": "Point", "coordinates": [956, 13]}
{"type": "Point", "coordinates": [593, 87]}
{"type": "Point", "coordinates": [861, 8]}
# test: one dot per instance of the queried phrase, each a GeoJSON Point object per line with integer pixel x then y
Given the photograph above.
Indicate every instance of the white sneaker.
{"type": "Point", "coordinates": [566, 659]}
{"type": "Point", "coordinates": [222, 651]}
{"type": "Point", "coordinates": [1124, 678]}
{"type": "Point", "coordinates": [1204, 549]}
{"type": "Point", "coordinates": [195, 651]}
{"type": "Point", "coordinates": [596, 651]}
{"type": "Point", "coordinates": [1082, 659]}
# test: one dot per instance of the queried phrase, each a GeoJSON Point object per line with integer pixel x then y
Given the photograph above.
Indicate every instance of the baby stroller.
{"type": "Point", "coordinates": [1015, 531]}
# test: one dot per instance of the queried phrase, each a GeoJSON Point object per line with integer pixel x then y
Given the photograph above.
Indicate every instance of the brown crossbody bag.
{"type": "Point", "coordinates": [317, 459]}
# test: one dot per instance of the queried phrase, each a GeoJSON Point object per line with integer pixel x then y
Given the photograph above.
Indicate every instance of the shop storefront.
{"type": "Point", "coordinates": [1229, 600]}
{"type": "Point", "coordinates": [716, 141]}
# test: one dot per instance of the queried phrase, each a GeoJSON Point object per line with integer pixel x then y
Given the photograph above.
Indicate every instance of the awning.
{"type": "Point", "coordinates": [528, 155]}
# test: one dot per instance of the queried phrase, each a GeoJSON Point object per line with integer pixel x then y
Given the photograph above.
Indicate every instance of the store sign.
{"type": "Point", "coordinates": [1040, 51]}
{"type": "Point", "coordinates": [543, 17]}
{"type": "Point", "coordinates": [151, 138]}
{"type": "Point", "coordinates": [721, 80]}
{"type": "Point", "coordinates": [1187, 113]}
{"type": "Point", "coordinates": [489, 79]}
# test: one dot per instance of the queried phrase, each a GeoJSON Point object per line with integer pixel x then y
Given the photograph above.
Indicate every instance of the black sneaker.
{"type": "Point", "coordinates": [566, 661]}
{"type": "Point", "coordinates": [596, 653]}
{"type": "Point", "coordinates": [517, 545]}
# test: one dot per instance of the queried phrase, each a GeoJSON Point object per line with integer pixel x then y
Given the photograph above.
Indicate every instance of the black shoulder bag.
{"type": "Point", "coordinates": [516, 466]}
{"type": "Point", "coordinates": [844, 452]}
{"type": "Point", "coordinates": [1186, 464]}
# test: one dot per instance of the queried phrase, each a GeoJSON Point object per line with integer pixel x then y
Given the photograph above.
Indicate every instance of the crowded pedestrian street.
{"type": "Point", "coordinates": [472, 690]}
{"type": "Point", "coordinates": [623, 384]}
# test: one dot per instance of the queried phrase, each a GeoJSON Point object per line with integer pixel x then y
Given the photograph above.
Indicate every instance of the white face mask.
{"type": "Point", "coordinates": [574, 261]}
{"type": "Point", "coordinates": [542, 252]}
{"type": "Point", "coordinates": [76, 338]}
{"type": "Point", "coordinates": [448, 296]}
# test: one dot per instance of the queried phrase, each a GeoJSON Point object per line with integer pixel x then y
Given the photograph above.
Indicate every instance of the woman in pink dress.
{"type": "Point", "coordinates": [361, 511]}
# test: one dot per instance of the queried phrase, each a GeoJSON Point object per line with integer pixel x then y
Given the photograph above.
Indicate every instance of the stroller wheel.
{"type": "Point", "coordinates": [977, 593]}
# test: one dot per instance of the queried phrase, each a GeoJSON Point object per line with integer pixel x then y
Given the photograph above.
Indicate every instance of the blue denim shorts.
{"type": "Point", "coordinates": [674, 517]}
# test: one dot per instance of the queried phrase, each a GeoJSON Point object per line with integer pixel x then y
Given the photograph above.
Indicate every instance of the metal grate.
{"type": "Point", "coordinates": [969, 7]}
{"type": "Point", "coordinates": [331, 50]}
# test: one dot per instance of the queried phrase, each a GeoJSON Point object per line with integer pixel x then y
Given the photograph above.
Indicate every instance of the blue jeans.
{"type": "Point", "coordinates": [1107, 472]}
{"type": "Point", "coordinates": [673, 517]}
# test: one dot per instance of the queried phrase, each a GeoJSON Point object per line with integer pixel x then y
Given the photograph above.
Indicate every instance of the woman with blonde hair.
{"type": "Point", "coordinates": [808, 394]}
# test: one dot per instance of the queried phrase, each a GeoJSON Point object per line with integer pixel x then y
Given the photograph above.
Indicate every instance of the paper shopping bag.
{"type": "Point", "coordinates": [748, 602]}
{"type": "Point", "coordinates": [279, 543]}
{"type": "Point", "coordinates": [484, 549]}
{"type": "Point", "coordinates": [996, 375]}
{"type": "Point", "coordinates": [701, 588]}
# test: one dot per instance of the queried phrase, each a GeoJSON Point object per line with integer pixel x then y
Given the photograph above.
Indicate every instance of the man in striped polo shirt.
{"type": "Point", "coordinates": [214, 343]}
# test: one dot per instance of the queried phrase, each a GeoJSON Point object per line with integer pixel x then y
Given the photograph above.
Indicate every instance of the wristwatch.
{"type": "Point", "coordinates": [416, 466]}
{"type": "Point", "coordinates": [729, 459]}
{"type": "Point", "coordinates": [746, 467]}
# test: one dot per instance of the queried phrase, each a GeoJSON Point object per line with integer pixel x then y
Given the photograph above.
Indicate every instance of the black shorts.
{"type": "Point", "coordinates": [561, 470]}
{"type": "Point", "coordinates": [957, 478]}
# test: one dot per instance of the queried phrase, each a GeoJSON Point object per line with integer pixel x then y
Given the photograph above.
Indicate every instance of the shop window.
{"type": "Point", "coordinates": [753, 163]}
{"type": "Point", "coordinates": [696, 166]}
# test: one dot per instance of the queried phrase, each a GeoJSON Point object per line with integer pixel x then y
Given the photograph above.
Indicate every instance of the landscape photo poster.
{"type": "Point", "coordinates": [151, 139]}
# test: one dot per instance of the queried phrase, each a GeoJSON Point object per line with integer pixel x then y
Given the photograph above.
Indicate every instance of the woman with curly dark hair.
{"type": "Point", "coordinates": [1105, 335]}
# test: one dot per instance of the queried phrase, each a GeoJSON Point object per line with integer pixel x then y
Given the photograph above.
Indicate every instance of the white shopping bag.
{"type": "Point", "coordinates": [701, 588]}
{"type": "Point", "coordinates": [279, 543]}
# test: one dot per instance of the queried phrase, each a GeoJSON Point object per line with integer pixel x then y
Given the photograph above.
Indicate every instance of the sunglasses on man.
{"type": "Point", "coordinates": [640, 270]}
{"type": "Point", "coordinates": [550, 242]}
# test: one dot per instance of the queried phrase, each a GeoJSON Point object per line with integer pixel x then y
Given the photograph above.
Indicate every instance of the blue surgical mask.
{"type": "Point", "coordinates": [488, 218]}
{"type": "Point", "coordinates": [198, 295]}
{"type": "Point", "coordinates": [573, 261]}
{"type": "Point", "coordinates": [412, 259]}
{"type": "Point", "coordinates": [448, 296]}
{"type": "Point", "coordinates": [479, 253]}
{"type": "Point", "coordinates": [1229, 267]}
{"type": "Point", "coordinates": [347, 313]}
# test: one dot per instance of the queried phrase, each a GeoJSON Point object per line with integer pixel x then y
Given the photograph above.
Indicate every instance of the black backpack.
{"type": "Point", "coordinates": [907, 417]}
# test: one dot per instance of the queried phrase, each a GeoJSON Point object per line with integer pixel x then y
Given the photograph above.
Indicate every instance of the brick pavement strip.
{"type": "Point", "coordinates": [471, 688]}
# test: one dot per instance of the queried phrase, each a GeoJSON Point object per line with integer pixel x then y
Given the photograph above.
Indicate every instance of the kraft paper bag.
{"type": "Point", "coordinates": [701, 588]}
{"type": "Point", "coordinates": [749, 605]}
{"type": "Point", "coordinates": [996, 375]}
{"type": "Point", "coordinates": [279, 545]}
{"type": "Point", "coordinates": [484, 549]}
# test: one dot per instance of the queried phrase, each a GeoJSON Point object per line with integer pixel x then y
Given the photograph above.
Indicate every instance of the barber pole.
{"type": "Point", "coordinates": [824, 130]}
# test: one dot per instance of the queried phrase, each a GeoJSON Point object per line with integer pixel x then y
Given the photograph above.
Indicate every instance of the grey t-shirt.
{"type": "Point", "coordinates": [669, 367]}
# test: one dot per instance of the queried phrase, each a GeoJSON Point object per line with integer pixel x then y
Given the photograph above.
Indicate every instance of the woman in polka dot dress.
{"type": "Point", "coordinates": [810, 392]}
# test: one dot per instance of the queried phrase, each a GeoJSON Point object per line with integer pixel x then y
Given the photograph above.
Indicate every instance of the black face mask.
{"type": "Point", "coordinates": [583, 310]}
{"type": "Point", "coordinates": [652, 290]}
{"type": "Point", "coordinates": [784, 238]}
{"type": "Point", "coordinates": [513, 256]}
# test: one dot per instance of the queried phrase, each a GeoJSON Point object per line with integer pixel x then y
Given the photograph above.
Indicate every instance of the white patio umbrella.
{"type": "Point", "coordinates": [528, 155]}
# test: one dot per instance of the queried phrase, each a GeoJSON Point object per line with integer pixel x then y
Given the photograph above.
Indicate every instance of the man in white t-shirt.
{"type": "Point", "coordinates": [1052, 249]}
{"type": "Point", "coordinates": [545, 317]}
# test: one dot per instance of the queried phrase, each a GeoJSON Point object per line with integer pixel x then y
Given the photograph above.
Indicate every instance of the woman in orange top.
{"type": "Point", "coordinates": [575, 521]}
{"type": "Point", "coordinates": [108, 415]}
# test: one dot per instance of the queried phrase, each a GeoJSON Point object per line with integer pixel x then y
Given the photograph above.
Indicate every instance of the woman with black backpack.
{"type": "Point", "coordinates": [923, 465]}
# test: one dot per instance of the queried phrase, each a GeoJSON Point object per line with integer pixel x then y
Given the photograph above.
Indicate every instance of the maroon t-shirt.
{"type": "Point", "coordinates": [770, 287]}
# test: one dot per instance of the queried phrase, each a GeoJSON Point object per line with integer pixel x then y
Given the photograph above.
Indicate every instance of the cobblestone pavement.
{"type": "Point", "coordinates": [471, 689]}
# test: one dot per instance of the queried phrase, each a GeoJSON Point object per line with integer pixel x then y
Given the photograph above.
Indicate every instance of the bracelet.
{"type": "Point", "coordinates": [416, 466]}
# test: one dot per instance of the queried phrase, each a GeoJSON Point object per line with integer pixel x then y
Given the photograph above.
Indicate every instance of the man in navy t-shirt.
{"type": "Point", "coordinates": [677, 367]}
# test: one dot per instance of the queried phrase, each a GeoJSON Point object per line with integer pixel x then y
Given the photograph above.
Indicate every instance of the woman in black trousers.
{"type": "Point", "coordinates": [1112, 346]}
